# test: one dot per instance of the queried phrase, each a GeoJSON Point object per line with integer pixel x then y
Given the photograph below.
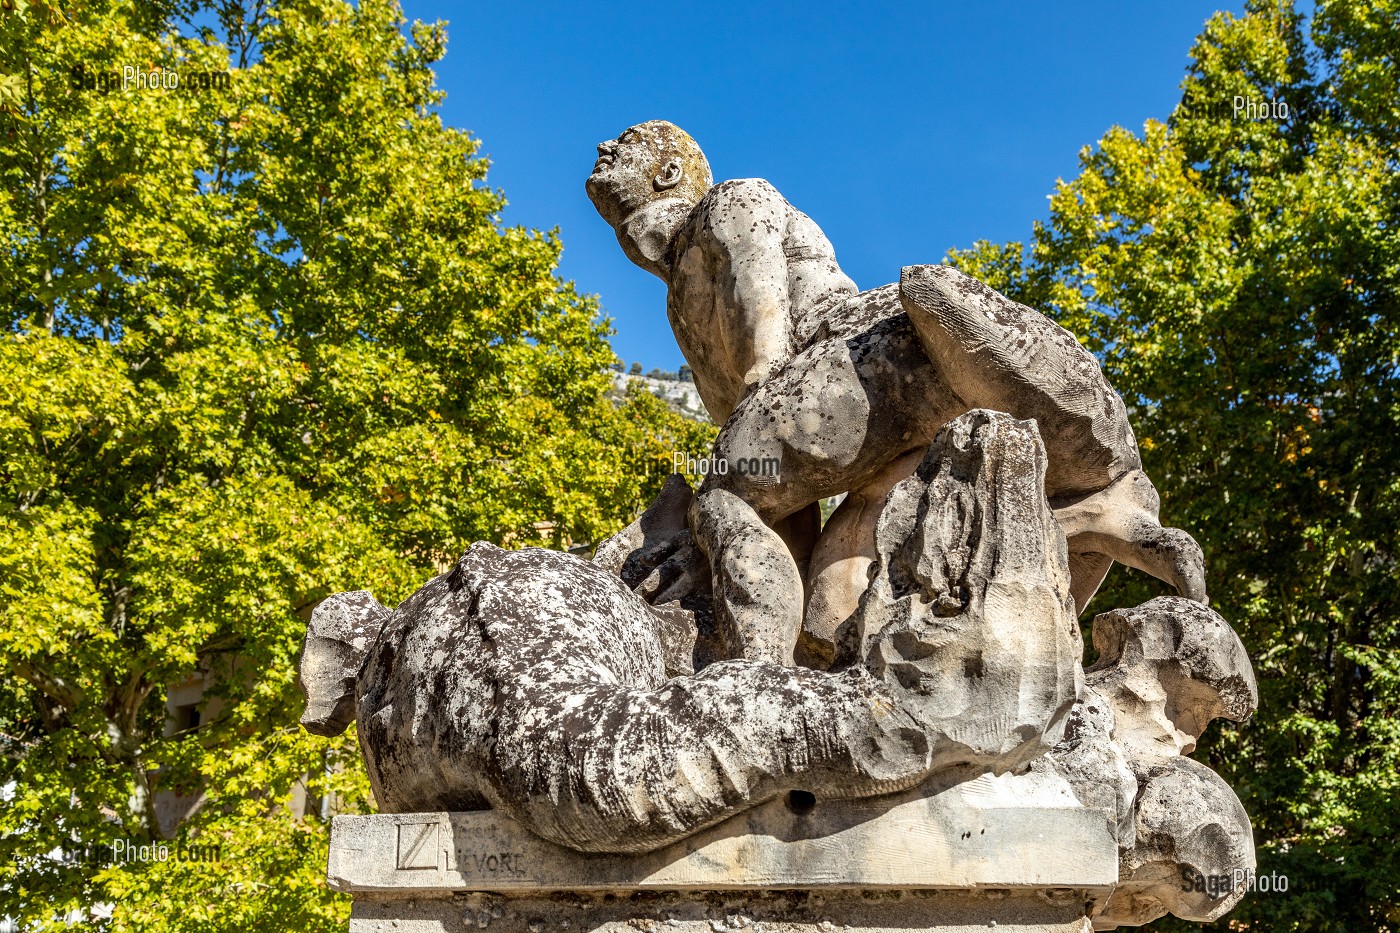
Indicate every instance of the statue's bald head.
{"type": "Point", "coordinates": [646, 162]}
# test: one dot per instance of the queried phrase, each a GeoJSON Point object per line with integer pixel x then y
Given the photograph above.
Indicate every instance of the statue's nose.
{"type": "Point", "coordinates": [606, 147]}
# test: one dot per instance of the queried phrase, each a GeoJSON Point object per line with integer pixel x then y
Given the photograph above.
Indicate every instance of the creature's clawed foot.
{"type": "Point", "coordinates": [1187, 563]}
{"type": "Point", "coordinates": [1120, 522]}
{"type": "Point", "coordinates": [1169, 554]}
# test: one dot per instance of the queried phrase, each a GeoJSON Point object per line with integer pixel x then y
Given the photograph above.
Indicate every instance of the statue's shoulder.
{"type": "Point", "coordinates": [743, 191]}
{"type": "Point", "coordinates": [752, 187]}
{"type": "Point", "coordinates": [736, 204]}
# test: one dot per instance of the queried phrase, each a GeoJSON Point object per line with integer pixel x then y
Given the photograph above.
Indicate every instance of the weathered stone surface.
{"type": "Point", "coordinates": [533, 682]}
{"type": "Point", "coordinates": [1096, 766]}
{"type": "Point", "coordinates": [1166, 669]}
{"type": "Point", "coordinates": [999, 354]}
{"type": "Point", "coordinates": [958, 852]}
{"type": "Point", "coordinates": [841, 385]}
{"type": "Point", "coordinates": [338, 637]}
{"type": "Point", "coordinates": [1194, 849]}
{"type": "Point", "coordinates": [536, 683]}
{"type": "Point", "coordinates": [843, 560]}
{"type": "Point", "coordinates": [1169, 667]}
{"type": "Point", "coordinates": [649, 540]}
{"type": "Point", "coordinates": [657, 559]}
{"type": "Point", "coordinates": [969, 617]}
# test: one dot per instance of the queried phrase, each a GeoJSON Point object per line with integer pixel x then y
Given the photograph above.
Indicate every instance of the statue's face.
{"type": "Point", "coordinates": [622, 178]}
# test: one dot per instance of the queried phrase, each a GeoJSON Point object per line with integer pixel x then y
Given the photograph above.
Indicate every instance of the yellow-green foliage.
{"type": "Point", "coordinates": [259, 344]}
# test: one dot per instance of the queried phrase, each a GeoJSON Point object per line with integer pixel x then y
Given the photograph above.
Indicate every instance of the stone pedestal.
{"type": "Point", "coordinates": [991, 853]}
{"type": "Point", "coordinates": [715, 912]}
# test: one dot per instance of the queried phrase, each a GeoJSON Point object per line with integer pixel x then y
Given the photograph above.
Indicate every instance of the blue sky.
{"type": "Point", "coordinates": [903, 129]}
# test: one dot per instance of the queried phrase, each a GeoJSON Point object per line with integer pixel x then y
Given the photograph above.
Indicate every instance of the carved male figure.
{"type": "Point", "coordinates": [847, 389]}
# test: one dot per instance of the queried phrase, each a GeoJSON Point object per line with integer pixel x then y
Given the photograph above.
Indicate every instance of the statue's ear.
{"type": "Point", "coordinates": [669, 176]}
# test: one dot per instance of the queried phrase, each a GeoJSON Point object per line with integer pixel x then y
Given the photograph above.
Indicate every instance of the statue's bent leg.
{"type": "Point", "coordinates": [829, 422]}
{"type": "Point", "coordinates": [757, 586]}
{"type": "Point", "coordinates": [605, 768]}
{"type": "Point", "coordinates": [1169, 554]}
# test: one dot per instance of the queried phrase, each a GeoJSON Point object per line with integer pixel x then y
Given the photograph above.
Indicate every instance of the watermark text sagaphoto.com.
{"type": "Point", "coordinates": [130, 850]}
{"type": "Point", "coordinates": [132, 78]}
{"type": "Point", "coordinates": [763, 469]}
{"type": "Point", "coordinates": [1249, 108]}
{"type": "Point", "coordinates": [1241, 879]}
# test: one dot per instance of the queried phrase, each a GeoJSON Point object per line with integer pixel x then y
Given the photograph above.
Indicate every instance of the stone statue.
{"type": "Point", "coordinates": [847, 388]}
{"type": "Point", "coordinates": [726, 651]}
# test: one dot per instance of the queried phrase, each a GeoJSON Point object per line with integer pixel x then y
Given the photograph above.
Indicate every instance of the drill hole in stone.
{"type": "Point", "coordinates": [801, 802]}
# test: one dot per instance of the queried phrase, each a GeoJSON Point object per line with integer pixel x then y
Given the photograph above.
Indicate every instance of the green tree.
{"type": "Point", "coordinates": [260, 343]}
{"type": "Point", "coordinates": [1238, 278]}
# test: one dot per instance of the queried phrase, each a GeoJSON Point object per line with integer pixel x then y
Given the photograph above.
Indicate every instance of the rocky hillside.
{"type": "Point", "coordinates": [683, 397]}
